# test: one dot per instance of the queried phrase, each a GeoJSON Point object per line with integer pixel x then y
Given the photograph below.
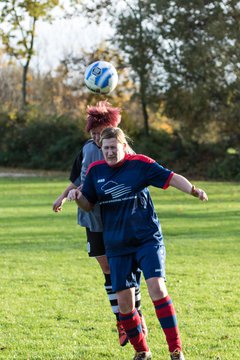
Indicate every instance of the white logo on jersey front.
{"type": "Point", "coordinates": [115, 189]}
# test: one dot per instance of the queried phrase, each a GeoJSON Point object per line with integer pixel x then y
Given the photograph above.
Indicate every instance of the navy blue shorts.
{"type": "Point", "coordinates": [150, 259]}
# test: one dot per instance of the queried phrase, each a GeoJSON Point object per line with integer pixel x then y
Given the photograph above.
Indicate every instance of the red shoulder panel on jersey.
{"type": "Point", "coordinates": [141, 157]}
{"type": "Point", "coordinates": [98, 162]}
{"type": "Point", "coordinates": [166, 185]}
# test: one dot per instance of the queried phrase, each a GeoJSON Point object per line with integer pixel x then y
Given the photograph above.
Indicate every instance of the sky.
{"type": "Point", "coordinates": [53, 41]}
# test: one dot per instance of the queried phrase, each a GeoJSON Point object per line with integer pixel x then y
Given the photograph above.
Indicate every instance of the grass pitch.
{"type": "Point", "coordinates": [52, 301]}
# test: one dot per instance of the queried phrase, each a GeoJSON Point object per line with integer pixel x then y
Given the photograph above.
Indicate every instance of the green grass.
{"type": "Point", "coordinates": [52, 301]}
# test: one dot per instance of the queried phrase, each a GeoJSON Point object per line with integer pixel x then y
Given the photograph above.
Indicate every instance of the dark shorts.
{"type": "Point", "coordinates": [95, 244]}
{"type": "Point", "coordinates": [150, 259]}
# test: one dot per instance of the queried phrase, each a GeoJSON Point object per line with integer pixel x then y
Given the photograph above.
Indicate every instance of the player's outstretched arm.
{"type": "Point", "coordinates": [81, 201]}
{"type": "Point", "coordinates": [182, 184]}
{"type": "Point", "coordinates": [58, 203]}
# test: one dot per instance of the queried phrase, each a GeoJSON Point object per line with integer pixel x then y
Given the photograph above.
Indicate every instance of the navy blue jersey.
{"type": "Point", "coordinates": [127, 211]}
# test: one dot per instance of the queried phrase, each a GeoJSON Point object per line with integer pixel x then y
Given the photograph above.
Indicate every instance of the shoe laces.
{"type": "Point", "coordinates": [140, 355]}
{"type": "Point", "coordinates": [176, 355]}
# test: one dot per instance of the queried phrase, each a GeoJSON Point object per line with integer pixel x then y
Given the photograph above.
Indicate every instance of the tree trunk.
{"type": "Point", "coordinates": [26, 66]}
{"type": "Point", "coordinates": [145, 117]}
{"type": "Point", "coordinates": [144, 109]}
{"type": "Point", "coordinates": [24, 85]}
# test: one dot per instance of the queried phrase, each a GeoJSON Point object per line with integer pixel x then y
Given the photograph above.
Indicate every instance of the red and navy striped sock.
{"type": "Point", "coordinates": [167, 317]}
{"type": "Point", "coordinates": [132, 325]}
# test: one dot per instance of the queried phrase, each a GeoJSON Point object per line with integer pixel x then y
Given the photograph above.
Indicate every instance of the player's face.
{"type": "Point", "coordinates": [113, 151]}
{"type": "Point", "coordinates": [96, 134]}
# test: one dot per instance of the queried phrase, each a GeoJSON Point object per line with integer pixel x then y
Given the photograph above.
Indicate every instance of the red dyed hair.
{"type": "Point", "coordinates": [102, 114]}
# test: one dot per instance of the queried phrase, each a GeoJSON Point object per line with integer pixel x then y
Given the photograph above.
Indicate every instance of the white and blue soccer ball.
{"type": "Point", "coordinates": [101, 77]}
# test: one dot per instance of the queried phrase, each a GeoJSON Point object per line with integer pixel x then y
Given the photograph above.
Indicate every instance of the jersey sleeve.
{"type": "Point", "coordinates": [75, 175]}
{"type": "Point", "coordinates": [89, 189]}
{"type": "Point", "coordinates": [158, 176]}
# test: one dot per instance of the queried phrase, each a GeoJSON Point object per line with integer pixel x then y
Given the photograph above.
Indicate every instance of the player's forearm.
{"type": "Point", "coordinates": [181, 183]}
{"type": "Point", "coordinates": [66, 191]}
{"type": "Point", "coordinates": [64, 194]}
{"type": "Point", "coordinates": [80, 199]}
{"type": "Point", "coordinates": [58, 203]}
{"type": "Point", "coordinates": [83, 203]}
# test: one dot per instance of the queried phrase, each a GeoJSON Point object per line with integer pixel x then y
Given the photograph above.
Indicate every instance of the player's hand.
{"type": "Point", "coordinates": [199, 193]}
{"type": "Point", "coordinates": [74, 194]}
{"type": "Point", "coordinates": [57, 205]}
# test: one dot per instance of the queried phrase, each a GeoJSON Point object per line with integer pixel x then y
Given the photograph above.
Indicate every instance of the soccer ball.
{"type": "Point", "coordinates": [101, 77]}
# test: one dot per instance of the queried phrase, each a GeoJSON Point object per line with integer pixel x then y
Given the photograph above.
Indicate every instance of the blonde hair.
{"type": "Point", "coordinates": [116, 133]}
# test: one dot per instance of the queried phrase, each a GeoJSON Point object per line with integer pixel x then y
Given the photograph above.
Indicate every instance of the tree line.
{"type": "Point", "coordinates": [178, 63]}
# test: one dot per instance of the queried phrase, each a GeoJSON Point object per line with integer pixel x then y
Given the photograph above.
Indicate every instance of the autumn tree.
{"type": "Point", "coordinates": [18, 20]}
{"type": "Point", "coordinates": [10, 82]}
{"type": "Point", "coordinates": [202, 66]}
{"type": "Point", "coordinates": [136, 38]}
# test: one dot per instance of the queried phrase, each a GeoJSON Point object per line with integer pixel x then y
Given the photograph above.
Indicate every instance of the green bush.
{"type": "Point", "coordinates": [226, 168]}
{"type": "Point", "coordinates": [53, 142]}
{"type": "Point", "coordinates": [160, 145]}
{"type": "Point", "coordinates": [210, 161]}
{"type": "Point", "coordinates": [40, 144]}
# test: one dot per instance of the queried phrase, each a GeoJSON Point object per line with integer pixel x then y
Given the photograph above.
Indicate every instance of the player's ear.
{"type": "Point", "coordinates": [125, 147]}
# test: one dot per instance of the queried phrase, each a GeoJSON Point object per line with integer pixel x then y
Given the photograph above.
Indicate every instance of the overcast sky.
{"type": "Point", "coordinates": [64, 36]}
{"type": "Point", "coordinates": [53, 41]}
